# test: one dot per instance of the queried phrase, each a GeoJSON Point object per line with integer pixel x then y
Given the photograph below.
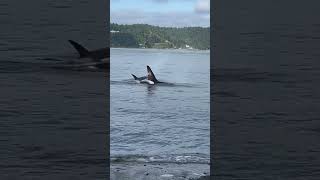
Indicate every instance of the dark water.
{"type": "Point", "coordinates": [53, 122]}
{"type": "Point", "coordinates": [163, 123]}
{"type": "Point", "coordinates": [266, 90]}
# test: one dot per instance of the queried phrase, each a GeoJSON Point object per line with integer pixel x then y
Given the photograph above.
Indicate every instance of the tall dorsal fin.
{"type": "Point", "coordinates": [150, 75]}
{"type": "Point", "coordinates": [81, 50]}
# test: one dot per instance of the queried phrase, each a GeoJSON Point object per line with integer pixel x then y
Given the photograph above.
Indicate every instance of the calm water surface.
{"type": "Point", "coordinates": [53, 123]}
{"type": "Point", "coordinates": [266, 90]}
{"type": "Point", "coordinates": [164, 122]}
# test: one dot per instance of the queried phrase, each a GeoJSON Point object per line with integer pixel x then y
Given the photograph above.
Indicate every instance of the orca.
{"type": "Point", "coordinates": [149, 79]}
{"type": "Point", "coordinates": [99, 58]}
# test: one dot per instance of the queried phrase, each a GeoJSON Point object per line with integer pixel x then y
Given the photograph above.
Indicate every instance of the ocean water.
{"type": "Point", "coordinates": [53, 122]}
{"type": "Point", "coordinates": [266, 90]}
{"type": "Point", "coordinates": [163, 123]}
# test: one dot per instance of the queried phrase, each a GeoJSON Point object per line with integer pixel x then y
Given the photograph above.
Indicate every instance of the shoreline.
{"type": "Point", "coordinates": [160, 49]}
{"type": "Point", "coordinates": [154, 171]}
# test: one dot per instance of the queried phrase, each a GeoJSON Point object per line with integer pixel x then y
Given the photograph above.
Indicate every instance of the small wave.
{"type": "Point", "coordinates": [181, 159]}
{"type": "Point", "coordinates": [166, 84]}
{"type": "Point", "coordinates": [16, 67]}
{"type": "Point", "coordinates": [167, 175]}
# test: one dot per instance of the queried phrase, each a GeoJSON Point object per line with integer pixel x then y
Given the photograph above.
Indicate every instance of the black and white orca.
{"type": "Point", "coordinates": [149, 79]}
{"type": "Point", "coordinates": [99, 58]}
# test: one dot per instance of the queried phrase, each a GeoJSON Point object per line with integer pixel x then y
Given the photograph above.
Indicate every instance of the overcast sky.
{"type": "Point", "coordinates": [172, 13]}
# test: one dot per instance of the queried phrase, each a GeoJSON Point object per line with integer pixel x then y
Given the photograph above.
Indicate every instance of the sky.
{"type": "Point", "coordinates": [167, 13]}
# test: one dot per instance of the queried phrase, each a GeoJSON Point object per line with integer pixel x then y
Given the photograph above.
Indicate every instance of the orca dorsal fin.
{"type": "Point", "coordinates": [150, 75]}
{"type": "Point", "coordinates": [81, 50]}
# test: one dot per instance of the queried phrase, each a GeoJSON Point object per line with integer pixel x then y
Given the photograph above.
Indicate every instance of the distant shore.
{"type": "Point", "coordinates": [160, 48]}
{"type": "Point", "coordinates": [148, 36]}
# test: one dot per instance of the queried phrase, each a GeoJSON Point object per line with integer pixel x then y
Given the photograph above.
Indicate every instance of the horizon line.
{"type": "Point", "coordinates": [162, 26]}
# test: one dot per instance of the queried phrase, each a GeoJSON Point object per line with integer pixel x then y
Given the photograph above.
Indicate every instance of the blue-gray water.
{"type": "Point", "coordinates": [266, 90]}
{"type": "Point", "coordinates": [163, 122]}
{"type": "Point", "coordinates": [53, 122]}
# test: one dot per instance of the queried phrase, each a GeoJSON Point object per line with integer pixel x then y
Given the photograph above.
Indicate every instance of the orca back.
{"type": "Point", "coordinates": [100, 53]}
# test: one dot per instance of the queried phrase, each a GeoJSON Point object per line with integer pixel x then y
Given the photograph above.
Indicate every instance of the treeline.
{"type": "Point", "coordinates": [147, 36]}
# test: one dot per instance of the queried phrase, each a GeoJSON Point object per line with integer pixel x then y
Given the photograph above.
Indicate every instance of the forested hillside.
{"type": "Point", "coordinates": [147, 36]}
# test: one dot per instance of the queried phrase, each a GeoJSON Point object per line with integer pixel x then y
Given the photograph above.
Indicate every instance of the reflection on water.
{"type": "Point", "coordinates": [151, 89]}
